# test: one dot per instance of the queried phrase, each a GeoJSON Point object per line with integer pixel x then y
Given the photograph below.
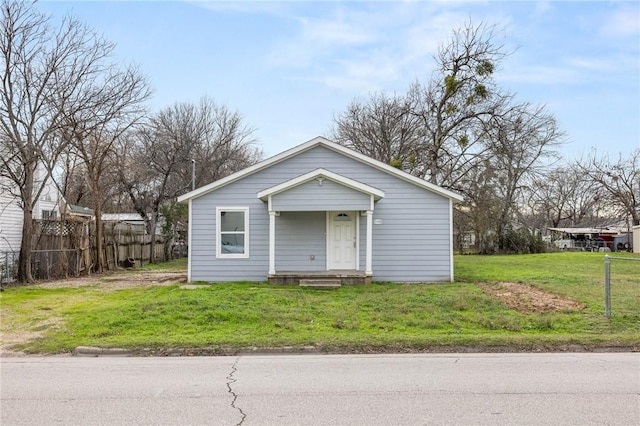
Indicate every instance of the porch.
{"type": "Point", "coordinates": [330, 277]}
{"type": "Point", "coordinates": [316, 216]}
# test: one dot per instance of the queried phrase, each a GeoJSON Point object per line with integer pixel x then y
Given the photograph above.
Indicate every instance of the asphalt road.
{"type": "Point", "coordinates": [473, 389]}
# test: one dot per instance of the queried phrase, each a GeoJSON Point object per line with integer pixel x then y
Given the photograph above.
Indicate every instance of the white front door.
{"type": "Point", "coordinates": [342, 240]}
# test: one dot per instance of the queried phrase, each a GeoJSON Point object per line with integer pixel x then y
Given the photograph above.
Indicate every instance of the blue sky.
{"type": "Point", "coordinates": [289, 67]}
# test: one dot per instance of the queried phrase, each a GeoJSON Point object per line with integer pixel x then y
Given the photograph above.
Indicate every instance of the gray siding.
{"type": "Point", "coordinates": [299, 237]}
{"type": "Point", "coordinates": [410, 245]}
{"type": "Point", "coordinates": [310, 196]}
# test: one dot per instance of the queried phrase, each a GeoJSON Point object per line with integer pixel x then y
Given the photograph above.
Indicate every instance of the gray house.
{"type": "Point", "coordinates": [320, 211]}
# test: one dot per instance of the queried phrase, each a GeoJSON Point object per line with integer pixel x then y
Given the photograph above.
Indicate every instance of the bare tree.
{"type": "Point", "coordinates": [156, 164]}
{"type": "Point", "coordinates": [518, 141]}
{"type": "Point", "coordinates": [459, 129]}
{"type": "Point", "coordinates": [227, 145]}
{"type": "Point", "coordinates": [452, 105]}
{"type": "Point", "coordinates": [116, 107]}
{"type": "Point", "coordinates": [46, 74]}
{"type": "Point", "coordinates": [564, 196]}
{"type": "Point", "coordinates": [433, 131]}
{"type": "Point", "coordinates": [620, 179]}
{"type": "Point", "coordinates": [382, 127]}
{"type": "Point", "coordinates": [477, 214]}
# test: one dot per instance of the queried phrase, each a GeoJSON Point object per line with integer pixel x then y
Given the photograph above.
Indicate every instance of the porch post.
{"type": "Point", "coordinates": [369, 247]}
{"type": "Point", "coordinates": [272, 242]}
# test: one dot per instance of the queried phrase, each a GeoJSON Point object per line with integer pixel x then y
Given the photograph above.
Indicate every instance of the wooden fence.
{"type": "Point", "coordinates": [127, 245]}
{"type": "Point", "coordinates": [68, 248]}
{"type": "Point", "coordinates": [60, 249]}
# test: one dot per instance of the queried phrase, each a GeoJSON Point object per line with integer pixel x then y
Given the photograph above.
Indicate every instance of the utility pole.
{"type": "Point", "coordinates": [193, 174]}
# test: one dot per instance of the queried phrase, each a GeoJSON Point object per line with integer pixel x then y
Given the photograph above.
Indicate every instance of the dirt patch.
{"type": "Point", "coordinates": [13, 336]}
{"type": "Point", "coordinates": [527, 299]}
{"type": "Point", "coordinates": [121, 280]}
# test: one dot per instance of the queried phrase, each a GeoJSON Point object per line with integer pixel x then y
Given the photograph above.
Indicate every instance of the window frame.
{"type": "Point", "coordinates": [219, 232]}
{"type": "Point", "coordinates": [49, 214]}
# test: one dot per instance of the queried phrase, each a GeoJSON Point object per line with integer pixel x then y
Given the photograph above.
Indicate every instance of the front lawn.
{"type": "Point", "coordinates": [375, 317]}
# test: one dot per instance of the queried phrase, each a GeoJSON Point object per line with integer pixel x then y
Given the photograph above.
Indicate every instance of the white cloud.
{"type": "Point", "coordinates": [338, 33]}
{"type": "Point", "coordinates": [367, 48]}
{"type": "Point", "coordinates": [591, 64]}
{"type": "Point", "coordinates": [539, 74]}
{"type": "Point", "coordinates": [348, 84]}
{"type": "Point", "coordinates": [244, 7]}
{"type": "Point", "coordinates": [624, 21]}
{"type": "Point", "coordinates": [542, 8]}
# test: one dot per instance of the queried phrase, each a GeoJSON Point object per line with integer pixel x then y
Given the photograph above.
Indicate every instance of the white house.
{"type": "Point", "coordinates": [47, 206]}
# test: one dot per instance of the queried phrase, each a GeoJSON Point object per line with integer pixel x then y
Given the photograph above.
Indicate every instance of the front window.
{"type": "Point", "coordinates": [233, 232]}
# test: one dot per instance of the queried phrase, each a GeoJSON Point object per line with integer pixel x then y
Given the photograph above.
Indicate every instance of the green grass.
{"type": "Point", "coordinates": [176, 264]}
{"type": "Point", "coordinates": [375, 316]}
{"type": "Point", "coordinates": [577, 275]}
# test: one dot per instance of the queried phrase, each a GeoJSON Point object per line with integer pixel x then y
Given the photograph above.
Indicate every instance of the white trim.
{"type": "Point", "coordinates": [369, 242]}
{"type": "Point", "coordinates": [272, 241]}
{"type": "Point", "coordinates": [190, 242]}
{"type": "Point", "coordinates": [356, 231]}
{"type": "Point", "coordinates": [321, 173]}
{"type": "Point", "coordinates": [320, 141]}
{"type": "Point", "coordinates": [245, 233]}
{"type": "Point", "coordinates": [450, 240]}
{"type": "Point", "coordinates": [326, 238]}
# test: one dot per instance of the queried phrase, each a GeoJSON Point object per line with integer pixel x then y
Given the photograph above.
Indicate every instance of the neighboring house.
{"type": "Point", "coordinates": [322, 209]}
{"type": "Point", "coordinates": [46, 207]}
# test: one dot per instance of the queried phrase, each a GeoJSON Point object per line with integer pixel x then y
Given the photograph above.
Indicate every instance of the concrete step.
{"type": "Point", "coordinates": [320, 283]}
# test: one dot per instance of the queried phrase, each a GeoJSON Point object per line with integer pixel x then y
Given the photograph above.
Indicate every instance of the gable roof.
{"type": "Point", "coordinates": [122, 217]}
{"type": "Point", "coordinates": [321, 174]}
{"type": "Point", "coordinates": [80, 210]}
{"type": "Point", "coordinates": [319, 141]}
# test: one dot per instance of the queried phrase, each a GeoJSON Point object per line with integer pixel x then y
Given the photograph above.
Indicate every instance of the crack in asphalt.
{"type": "Point", "coordinates": [231, 380]}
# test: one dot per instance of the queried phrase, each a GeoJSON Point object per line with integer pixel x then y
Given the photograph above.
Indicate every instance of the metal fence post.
{"type": "Point", "coordinates": [607, 286]}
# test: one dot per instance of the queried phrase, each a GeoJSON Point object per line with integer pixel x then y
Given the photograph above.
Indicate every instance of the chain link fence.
{"type": "Point", "coordinates": [607, 280]}
{"type": "Point", "coordinates": [55, 264]}
{"type": "Point", "coordinates": [8, 266]}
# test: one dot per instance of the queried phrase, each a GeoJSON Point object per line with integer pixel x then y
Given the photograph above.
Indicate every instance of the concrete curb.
{"type": "Point", "coordinates": [90, 351]}
{"type": "Point", "coordinates": [94, 351]}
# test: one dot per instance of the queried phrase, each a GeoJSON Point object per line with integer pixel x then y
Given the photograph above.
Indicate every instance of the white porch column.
{"type": "Point", "coordinates": [369, 247]}
{"type": "Point", "coordinates": [272, 242]}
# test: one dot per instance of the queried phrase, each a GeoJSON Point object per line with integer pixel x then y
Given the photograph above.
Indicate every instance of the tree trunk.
{"type": "Point", "coordinates": [152, 232]}
{"type": "Point", "coordinates": [99, 238]}
{"type": "Point", "coordinates": [24, 262]}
